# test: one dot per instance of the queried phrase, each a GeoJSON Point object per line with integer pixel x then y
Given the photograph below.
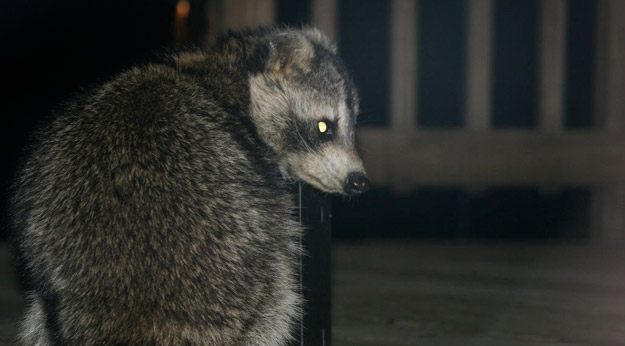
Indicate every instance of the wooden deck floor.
{"type": "Point", "coordinates": [397, 294]}
{"type": "Point", "coordinates": [11, 298]}
{"type": "Point", "coordinates": [409, 294]}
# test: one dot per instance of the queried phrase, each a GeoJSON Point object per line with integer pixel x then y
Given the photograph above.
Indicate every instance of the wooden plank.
{"type": "Point", "coordinates": [492, 158]}
{"type": "Point", "coordinates": [610, 84]}
{"type": "Point", "coordinates": [12, 298]}
{"type": "Point", "coordinates": [238, 14]}
{"type": "Point", "coordinates": [410, 293]}
{"type": "Point", "coordinates": [403, 64]}
{"type": "Point", "coordinates": [324, 16]}
{"type": "Point", "coordinates": [479, 64]}
{"type": "Point", "coordinates": [552, 65]}
{"type": "Point", "coordinates": [608, 205]}
{"type": "Point", "coordinates": [608, 214]}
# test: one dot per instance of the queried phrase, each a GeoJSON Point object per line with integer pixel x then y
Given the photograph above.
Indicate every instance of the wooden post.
{"type": "Point", "coordinates": [403, 82]}
{"type": "Point", "coordinates": [237, 14]}
{"type": "Point", "coordinates": [610, 85]}
{"type": "Point", "coordinates": [552, 60]}
{"type": "Point", "coordinates": [552, 65]}
{"type": "Point", "coordinates": [403, 64]}
{"type": "Point", "coordinates": [479, 64]}
{"type": "Point", "coordinates": [478, 110]}
{"type": "Point", "coordinates": [608, 214]}
{"type": "Point", "coordinates": [324, 15]}
{"type": "Point", "coordinates": [224, 15]}
{"type": "Point", "coordinates": [608, 211]}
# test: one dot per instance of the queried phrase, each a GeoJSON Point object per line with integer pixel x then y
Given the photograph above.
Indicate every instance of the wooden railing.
{"type": "Point", "coordinates": [403, 156]}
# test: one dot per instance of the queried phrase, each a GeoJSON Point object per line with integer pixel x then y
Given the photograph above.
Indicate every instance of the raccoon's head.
{"type": "Point", "coordinates": [304, 106]}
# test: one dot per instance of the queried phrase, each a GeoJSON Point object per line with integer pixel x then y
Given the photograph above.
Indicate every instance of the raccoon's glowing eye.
{"type": "Point", "coordinates": [323, 127]}
{"type": "Point", "coordinates": [326, 129]}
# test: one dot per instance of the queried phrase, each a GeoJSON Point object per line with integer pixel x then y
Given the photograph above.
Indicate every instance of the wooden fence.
{"type": "Point", "coordinates": [403, 156]}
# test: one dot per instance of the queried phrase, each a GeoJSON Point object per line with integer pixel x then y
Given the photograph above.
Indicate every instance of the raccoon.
{"type": "Point", "coordinates": [155, 209]}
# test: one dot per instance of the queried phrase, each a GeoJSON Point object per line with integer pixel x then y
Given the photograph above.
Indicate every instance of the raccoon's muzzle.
{"type": "Point", "coordinates": [356, 184]}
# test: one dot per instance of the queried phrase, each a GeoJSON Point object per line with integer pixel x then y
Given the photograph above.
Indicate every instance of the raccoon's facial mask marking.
{"type": "Point", "coordinates": [322, 155]}
{"type": "Point", "coordinates": [303, 106]}
{"type": "Point", "coordinates": [318, 151]}
{"type": "Point", "coordinates": [307, 135]}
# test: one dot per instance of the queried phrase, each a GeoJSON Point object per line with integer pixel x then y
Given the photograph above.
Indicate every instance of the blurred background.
{"type": "Point", "coordinates": [482, 120]}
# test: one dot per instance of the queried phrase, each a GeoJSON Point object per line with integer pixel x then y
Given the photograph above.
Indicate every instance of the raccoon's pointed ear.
{"type": "Point", "coordinates": [279, 56]}
{"type": "Point", "coordinates": [258, 60]}
{"type": "Point", "coordinates": [272, 56]}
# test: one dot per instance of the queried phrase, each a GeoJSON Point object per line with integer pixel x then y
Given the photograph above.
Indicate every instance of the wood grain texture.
{"type": "Point", "coordinates": [412, 294]}
{"type": "Point", "coordinates": [410, 159]}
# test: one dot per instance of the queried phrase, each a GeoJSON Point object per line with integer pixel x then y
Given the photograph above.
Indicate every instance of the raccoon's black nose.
{"type": "Point", "coordinates": [357, 184]}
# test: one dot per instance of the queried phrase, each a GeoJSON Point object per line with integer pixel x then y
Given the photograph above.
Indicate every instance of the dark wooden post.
{"type": "Point", "coordinates": [315, 266]}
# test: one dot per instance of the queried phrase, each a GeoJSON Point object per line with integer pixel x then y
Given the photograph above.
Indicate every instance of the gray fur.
{"type": "Point", "coordinates": [155, 208]}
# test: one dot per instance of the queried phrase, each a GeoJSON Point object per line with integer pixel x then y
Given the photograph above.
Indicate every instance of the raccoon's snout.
{"type": "Point", "coordinates": [356, 184]}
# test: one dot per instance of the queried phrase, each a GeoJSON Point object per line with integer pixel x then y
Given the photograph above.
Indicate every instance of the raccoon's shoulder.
{"type": "Point", "coordinates": [144, 92]}
{"type": "Point", "coordinates": [142, 101]}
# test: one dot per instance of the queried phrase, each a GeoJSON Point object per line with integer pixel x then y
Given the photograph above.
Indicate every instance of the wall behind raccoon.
{"type": "Point", "coordinates": [52, 48]}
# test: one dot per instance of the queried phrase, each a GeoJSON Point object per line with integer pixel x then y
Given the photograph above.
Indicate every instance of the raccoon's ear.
{"type": "Point", "coordinates": [279, 56]}
{"type": "Point", "coordinates": [258, 60]}
{"type": "Point", "coordinates": [274, 56]}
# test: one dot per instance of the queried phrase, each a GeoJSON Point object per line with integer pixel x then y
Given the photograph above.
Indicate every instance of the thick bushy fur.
{"type": "Point", "coordinates": [154, 209]}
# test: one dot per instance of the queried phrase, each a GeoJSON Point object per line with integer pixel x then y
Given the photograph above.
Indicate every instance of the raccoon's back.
{"type": "Point", "coordinates": [145, 213]}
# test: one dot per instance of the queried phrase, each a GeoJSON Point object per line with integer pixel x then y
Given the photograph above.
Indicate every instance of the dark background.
{"type": "Point", "coordinates": [51, 49]}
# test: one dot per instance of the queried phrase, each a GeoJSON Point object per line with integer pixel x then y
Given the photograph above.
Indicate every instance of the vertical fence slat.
{"type": "Point", "coordinates": [608, 214]}
{"type": "Point", "coordinates": [324, 15]}
{"type": "Point", "coordinates": [552, 65]}
{"type": "Point", "coordinates": [403, 86]}
{"type": "Point", "coordinates": [610, 95]}
{"type": "Point", "coordinates": [403, 63]}
{"type": "Point", "coordinates": [479, 64]}
{"type": "Point", "coordinates": [608, 210]}
{"type": "Point", "coordinates": [247, 13]}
